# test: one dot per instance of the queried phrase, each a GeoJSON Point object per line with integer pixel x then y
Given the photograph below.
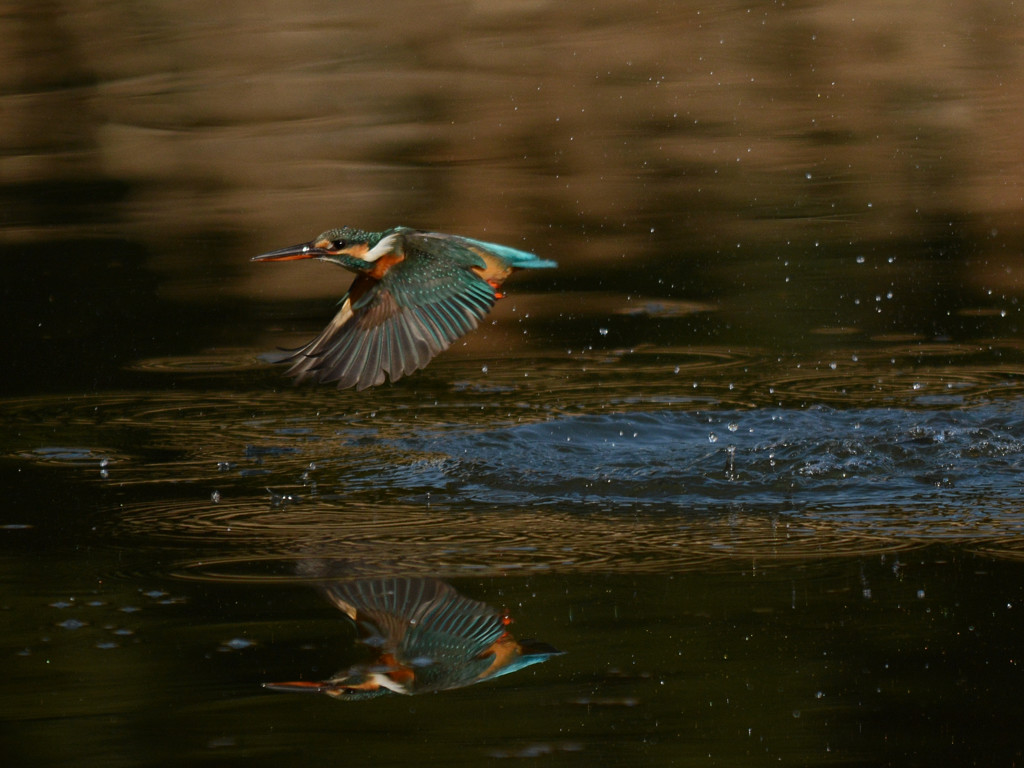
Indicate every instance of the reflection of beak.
{"type": "Point", "coordinates": [299, 686]}
{"type": "Point", "coordinates": [292, 252]}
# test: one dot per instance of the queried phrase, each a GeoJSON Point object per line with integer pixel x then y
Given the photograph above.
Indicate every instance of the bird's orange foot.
{"type": "Point", "coordinates": [497, 294]}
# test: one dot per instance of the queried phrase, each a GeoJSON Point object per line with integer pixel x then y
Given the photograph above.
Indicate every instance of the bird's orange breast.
{"type": "Point", "coordinates": [384, 263]}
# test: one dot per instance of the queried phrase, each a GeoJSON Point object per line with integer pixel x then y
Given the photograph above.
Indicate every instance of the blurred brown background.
{"type": "Point", "coordinates": [684, 150]}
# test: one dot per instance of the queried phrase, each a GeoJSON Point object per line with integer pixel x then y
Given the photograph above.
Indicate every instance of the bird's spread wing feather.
{"type": "Point", "coordinates": [396, 325]}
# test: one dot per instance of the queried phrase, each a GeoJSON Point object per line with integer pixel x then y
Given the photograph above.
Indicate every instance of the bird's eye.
{"type": "Point", "coordinates": [338, 245]}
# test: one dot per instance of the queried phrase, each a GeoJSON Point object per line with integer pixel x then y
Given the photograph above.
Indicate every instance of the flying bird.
{"type": "Point", "coordinates": [414, 294]}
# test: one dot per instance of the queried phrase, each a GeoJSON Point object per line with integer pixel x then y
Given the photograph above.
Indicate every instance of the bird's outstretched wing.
{"type": "Point", "coordinates": [396, 325]}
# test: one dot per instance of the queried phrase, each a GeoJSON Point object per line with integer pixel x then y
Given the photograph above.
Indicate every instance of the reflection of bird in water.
{"type": "Point", "coordinates": [414, 294]}
{"type": "Point", "coordinates": [425, 637]}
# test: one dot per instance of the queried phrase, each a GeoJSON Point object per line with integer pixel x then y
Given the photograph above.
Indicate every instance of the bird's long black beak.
{"type": "Point", "coordinates": [291, 253]}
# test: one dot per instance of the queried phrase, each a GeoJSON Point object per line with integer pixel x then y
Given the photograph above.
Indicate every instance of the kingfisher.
{"type": "Point", "coordinates": [425, 636]}
{"type": "Point", "coordinates": [414, 294]}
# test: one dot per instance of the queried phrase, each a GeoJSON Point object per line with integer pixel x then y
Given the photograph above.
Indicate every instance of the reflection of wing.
{"type": "Point", "coordinates": [426, 637]}
{"type": "Point", "coordinates": [418, 617]}
{"type": "Point", "coordinates": [396, 325]}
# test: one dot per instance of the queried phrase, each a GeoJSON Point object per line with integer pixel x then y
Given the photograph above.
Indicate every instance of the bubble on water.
{"type": "Point", "coordinates": [72, 624]}
{"type": "Point", "coordinates": [712, 437]}
{"type": "Point", "coordinates": [603, 331]}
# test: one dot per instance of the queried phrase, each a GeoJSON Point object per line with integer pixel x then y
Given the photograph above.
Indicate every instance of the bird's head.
{"type": "Point", "coordinates": [353, 249]}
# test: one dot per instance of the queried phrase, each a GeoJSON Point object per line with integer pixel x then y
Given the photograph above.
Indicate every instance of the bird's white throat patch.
{"type": "Point", "coordinates": [384, 247]}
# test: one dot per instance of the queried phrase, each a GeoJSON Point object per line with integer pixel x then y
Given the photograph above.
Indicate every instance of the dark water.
{"type": "Point", "coordinates": [751, 456]}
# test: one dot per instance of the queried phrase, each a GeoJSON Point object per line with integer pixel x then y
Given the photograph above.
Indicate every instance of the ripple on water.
{"type": "Point", "coordinates": [73, 456]}
{"type": "Point", "coordinates": [697, 460]}
{"type": "Point", "coordinates": [213, 361]}
{"type": "Point", "coordinates": [633, 459]}
{"type": "Point", "coordinates": [447, 542]}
